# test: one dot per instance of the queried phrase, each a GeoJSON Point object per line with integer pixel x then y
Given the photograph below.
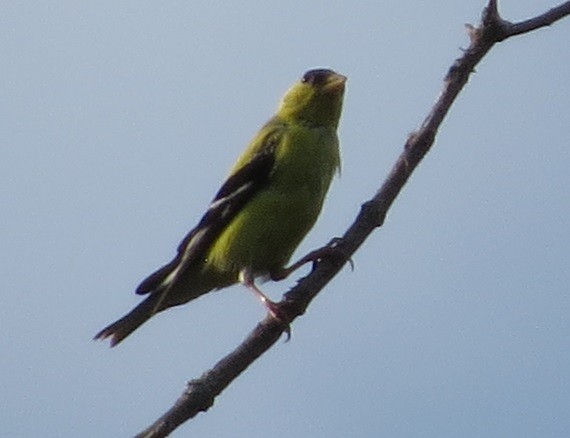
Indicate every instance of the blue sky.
{"type": "Point", "coordinates": [120, 120]}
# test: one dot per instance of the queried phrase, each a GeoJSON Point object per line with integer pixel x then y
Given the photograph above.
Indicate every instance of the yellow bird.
{"type": "Point", "coordinates": [269, 202]}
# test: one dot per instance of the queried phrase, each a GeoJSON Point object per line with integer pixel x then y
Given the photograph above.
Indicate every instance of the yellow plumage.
{"type": "Point", "coordinates": [270, 200]}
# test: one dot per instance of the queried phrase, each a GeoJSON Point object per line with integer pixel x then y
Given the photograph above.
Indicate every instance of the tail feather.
{"type": "Point", "coordinates": [123, 327]}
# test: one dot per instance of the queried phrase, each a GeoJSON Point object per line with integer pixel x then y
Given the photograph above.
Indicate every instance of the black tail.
{"type": "Point", "coordinates": [122, 328]}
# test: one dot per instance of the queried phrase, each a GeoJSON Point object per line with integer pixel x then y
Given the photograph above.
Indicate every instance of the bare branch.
{"type": "Point", "coordinates": [200, 393]}
{"type": "Point", "coordinates": [543, 20]}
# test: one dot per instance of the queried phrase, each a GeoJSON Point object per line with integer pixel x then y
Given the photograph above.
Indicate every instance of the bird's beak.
{"type": "Point", "coordinates": [335, 83]}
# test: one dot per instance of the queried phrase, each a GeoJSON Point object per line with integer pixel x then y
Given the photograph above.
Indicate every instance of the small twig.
{"type": "Point", "coordinates": [200, 393]}
{"type": "Point", "coordinates": [539, 21]}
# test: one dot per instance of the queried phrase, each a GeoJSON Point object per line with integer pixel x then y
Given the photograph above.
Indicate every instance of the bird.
{"type": "Point", "coordinates": [270, 200]}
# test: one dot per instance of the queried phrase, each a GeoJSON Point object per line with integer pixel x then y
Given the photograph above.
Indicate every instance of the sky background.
{"type": "Point", "coordinates": [118, 122]}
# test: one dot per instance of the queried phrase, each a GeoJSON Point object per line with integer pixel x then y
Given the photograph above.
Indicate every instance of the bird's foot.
{"type": "Point", "coordinates": [272, 307]}
{"type": "Point", "coordinates": [276, 311]}
{"type": "Point", "coordinates": [331, 249]}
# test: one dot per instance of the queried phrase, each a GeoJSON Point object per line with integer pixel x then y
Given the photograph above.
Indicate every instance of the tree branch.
{"type": "Point", "coordinates": [542, 20]}
{"type": "Point", "coordinates": [201, 393]}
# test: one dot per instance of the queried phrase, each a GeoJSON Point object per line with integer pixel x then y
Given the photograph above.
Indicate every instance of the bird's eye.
{"type": "Point", "coordinates": [317, 76]}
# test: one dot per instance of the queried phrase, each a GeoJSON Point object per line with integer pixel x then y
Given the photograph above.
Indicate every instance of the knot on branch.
{"type": "Point", "coordinates": [492, 28]}
{"type": "Point", "coordinates": [200, 393]}
{"type": "Point", "coordinates": [373, 212]}
{"type": "Point", "coordinates": [419, 142]}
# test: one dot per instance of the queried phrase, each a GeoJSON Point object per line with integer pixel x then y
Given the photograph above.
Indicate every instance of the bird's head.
{"type": "Point", "coordinates": [316, 99]}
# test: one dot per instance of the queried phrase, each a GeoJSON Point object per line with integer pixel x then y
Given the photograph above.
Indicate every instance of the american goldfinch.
{"type": "Point", "coordinates": [269, 202]}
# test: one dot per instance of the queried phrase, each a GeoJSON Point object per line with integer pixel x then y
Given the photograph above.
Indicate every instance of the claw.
{"type": "Point", "coordinates": [329, 250]}
{"type": "Point", "coordinates": [333, 247]}
{"type": "Point", "coordinates": [275, 311]}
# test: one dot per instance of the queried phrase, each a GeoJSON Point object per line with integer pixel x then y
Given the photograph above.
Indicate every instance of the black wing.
{"type": "Point", "coordinates": [234, 194]}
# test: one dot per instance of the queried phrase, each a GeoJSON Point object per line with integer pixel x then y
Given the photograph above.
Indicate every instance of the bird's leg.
{"type": "Point", "coordinates": [330, 249]}
{"type": "Point", "coordinates": [247, 279]}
